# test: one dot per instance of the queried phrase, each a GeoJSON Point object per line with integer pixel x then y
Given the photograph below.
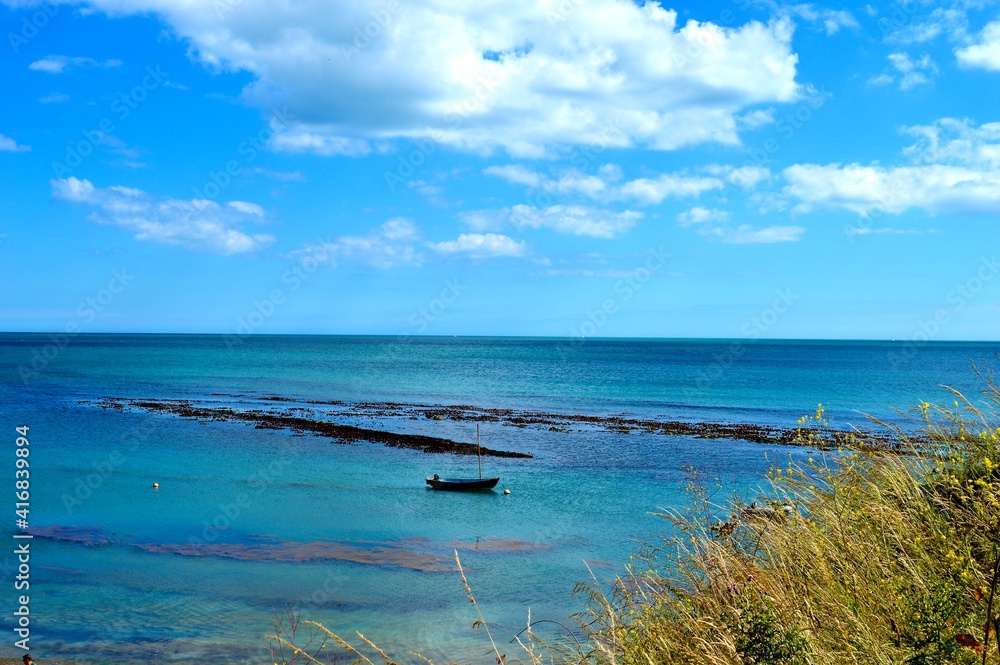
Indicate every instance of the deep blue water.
{"type": "Point", "coordinates": [121, 587]}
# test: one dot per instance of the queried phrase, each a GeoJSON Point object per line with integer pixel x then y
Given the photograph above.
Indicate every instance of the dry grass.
{"type": "Point", "coordinates": [864, 556]}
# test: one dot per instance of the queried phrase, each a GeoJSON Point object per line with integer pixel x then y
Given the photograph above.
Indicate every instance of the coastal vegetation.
{"type": "Point", "coordinates": [856, 555]}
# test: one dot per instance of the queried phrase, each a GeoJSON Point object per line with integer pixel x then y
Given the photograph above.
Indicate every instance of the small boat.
{"type": "Point", "coordinates": [461, 484]}
{"type": "Point", "coordinates": [465, 484]}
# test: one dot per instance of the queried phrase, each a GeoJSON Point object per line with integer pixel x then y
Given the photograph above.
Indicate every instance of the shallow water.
{"type": "Point", "coordinates": [247, 520]}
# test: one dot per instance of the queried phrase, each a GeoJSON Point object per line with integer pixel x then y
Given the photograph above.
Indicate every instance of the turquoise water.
{"type": "Point", "coordinates": [193, 571]}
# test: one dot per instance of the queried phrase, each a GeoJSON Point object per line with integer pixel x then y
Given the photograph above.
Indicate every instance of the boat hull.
{"type": "Point", "coordinates": [463, 484]}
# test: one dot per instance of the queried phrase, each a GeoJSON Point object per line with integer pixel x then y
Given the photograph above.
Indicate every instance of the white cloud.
{"type": "Point", "coordinates": [251, 209]}
{"type": "Point", "coordinates": [653, 190]}
{"type": "Point", "coordinates": [914, 72]}
{"type": "Point", "coordinates": [431, 191]}
{"type": "Point", "coordinates": [575, 220]}
{"type": "Point", "coordinates": [54, 98]}
{"type": "Point", "coordinates": [699, 215]}
{"type": "Point", "coordinates": [606, 185]}
{"type": "Point", "coordinates": [74, 190]}
{"type": "Point", "coordinates": [51, 65]}
{"type": "Point", "coordinates": [748, 177]}
{"type": "Point", "coordinates": [584, 272]}
{"type": "Point", "coordinates": [832, 20]}
{"type": "Point", "coordinates": [398, 242]}
{"type": "Point", "coordinates": [953, 170]}
{"type": "Point", "coordinates": [298, 139]}
{"type": "Point", "coordinates": [599, 186]}
{"type": "Point", "coordinates": [196, 224]}
{"type": "Point", "coordinates": [756, 118]}
{"type": "Point", "coordinates": [957, 142]}
{"type": "Point", "coordinates": [481, 245]}
{"type": "Point", "coordinates": [57, 64]}
{"type": "Point", "coordinates": [949, 22]}
{"type": "Point", "coordinates": [516, 174]}
{"type": "Point", "coordinates": [8, 144]}
{"type": "Point", "coordinates": [910, 72]}
{"type": "Point", "coordinates": [130, 156]}
{"type": "Point", "coordinates": [746, 234]}
{"type": "Point", "coordinates": [529, 77]}
{"type": "Point", "coordinates": [713, 223]}
{"type": "Point", "coordinates": [485, 220]}
{"type": "Point", "coordinates": [985, 52]}
{"type": "Point", "coordinates": [392, 244]}
{"type": "Point", "coordinates": [280, 176]}
{"type": "Point", "coordinates": [936, 188]}
{"type": "Point", "coordinates": [867, 231]}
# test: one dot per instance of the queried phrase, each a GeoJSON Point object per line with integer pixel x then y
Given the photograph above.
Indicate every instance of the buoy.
{"type": "Point", "coordinates": [156, 486]}
{"type": "Point", "coordinates": [506, 491]}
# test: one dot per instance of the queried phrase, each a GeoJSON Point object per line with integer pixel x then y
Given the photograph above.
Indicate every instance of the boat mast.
{"type": "Point", "coordinates": [479, 453]}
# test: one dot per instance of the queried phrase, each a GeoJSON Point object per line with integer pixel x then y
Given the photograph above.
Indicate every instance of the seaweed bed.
{"type": "Point", "coordinates": [297, 423]}
{"type": "Point", "coordinates": [297, 419]}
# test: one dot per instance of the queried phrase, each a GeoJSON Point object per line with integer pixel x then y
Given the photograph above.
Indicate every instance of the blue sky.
{"type": "Point", "coordinates": [737, 169]}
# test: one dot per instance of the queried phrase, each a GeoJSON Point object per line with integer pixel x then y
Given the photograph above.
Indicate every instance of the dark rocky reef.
{"type": "Point", "coordinates": [297, 423]}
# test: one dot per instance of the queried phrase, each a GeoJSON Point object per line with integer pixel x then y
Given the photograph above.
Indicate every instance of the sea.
{"type": "Point", "coordinates": [247, 524]}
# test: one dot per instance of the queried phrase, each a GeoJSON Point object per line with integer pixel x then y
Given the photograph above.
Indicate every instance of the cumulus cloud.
{"type": "Point", "coordinates": [985, 51]}
{"type": "Point", "coordinates": [57, 64]}
{"type": "Point", "coordinates": [8, 144]}
{"type": "Point", "coordinates": [196, 224]}
{"type": "Point", "coordinates": [521, 75]}
{"type": "Point", "coordinates": [572, 220]}
{"type": "Point", "coordinates": [953, 170]}
{"type": "Point", "coordinates": [481, 245]}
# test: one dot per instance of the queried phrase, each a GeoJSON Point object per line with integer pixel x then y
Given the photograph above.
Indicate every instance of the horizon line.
{"type": "Point", "coordinates": [578, 338]}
